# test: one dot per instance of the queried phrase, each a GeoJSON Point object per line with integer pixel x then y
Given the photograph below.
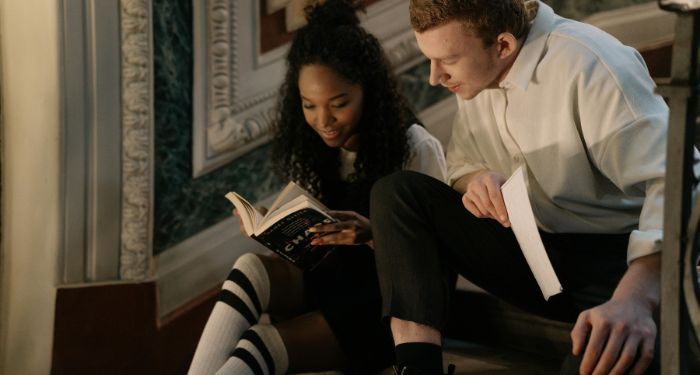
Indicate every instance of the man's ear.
{"type": "Point", "coordinates": [506, 45]}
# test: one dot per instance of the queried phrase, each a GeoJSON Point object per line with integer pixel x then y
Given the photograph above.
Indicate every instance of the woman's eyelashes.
{"type": "Point", "coordinates": [340, 105]}
{"type": "Point", "coordinates": [336, 106]}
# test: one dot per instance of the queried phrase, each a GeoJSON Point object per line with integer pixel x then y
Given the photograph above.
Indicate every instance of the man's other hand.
{"type": "Point", "coordinates": [618, 337]}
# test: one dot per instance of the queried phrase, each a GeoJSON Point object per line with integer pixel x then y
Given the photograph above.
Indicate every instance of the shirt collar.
{"type": "Point", "coordinates": [523, 68]}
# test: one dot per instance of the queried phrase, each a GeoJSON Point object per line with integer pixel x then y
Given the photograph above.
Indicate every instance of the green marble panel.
{"type": "Point", "coordinates": [183, 205]}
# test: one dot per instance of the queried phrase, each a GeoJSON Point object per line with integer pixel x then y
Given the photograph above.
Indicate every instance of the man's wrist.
{"type": "Point", "coordinates": [461, 184]}
{"type": "Point", "coordinates": [641, 284]}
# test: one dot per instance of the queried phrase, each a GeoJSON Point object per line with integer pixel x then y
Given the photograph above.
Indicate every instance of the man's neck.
{"type": "Point", "coordinates": [510, 61]}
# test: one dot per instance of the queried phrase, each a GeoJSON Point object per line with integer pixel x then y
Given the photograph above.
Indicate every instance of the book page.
{"type": "Point", "coordinates": [522, 221]}
{"type": "Point", "coordinates": [290, 192]}
{"type": "Point", "coordinates": [249, 215]}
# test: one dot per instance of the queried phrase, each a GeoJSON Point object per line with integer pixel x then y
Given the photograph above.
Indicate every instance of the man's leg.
{"type": "Point", "coordinates": [417, 346]}
{"type": "Point", "coordinates": [422, 232]}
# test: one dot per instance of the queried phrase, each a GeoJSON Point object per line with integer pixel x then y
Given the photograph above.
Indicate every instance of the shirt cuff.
{"type": "Point", "coordinates": [455, 174]}
{"type": "Point", "coordinates": [644, 243]}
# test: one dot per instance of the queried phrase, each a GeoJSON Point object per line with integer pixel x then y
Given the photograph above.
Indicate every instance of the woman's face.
{"type": "Point", "coordinates": [332, 106]}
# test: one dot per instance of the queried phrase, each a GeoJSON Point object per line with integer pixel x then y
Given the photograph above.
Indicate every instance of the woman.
{"type": "Point", "coordinates": [342, 125]}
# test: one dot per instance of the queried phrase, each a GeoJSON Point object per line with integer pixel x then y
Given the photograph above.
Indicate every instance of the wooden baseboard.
{"type": "Point", "coordinates": [115, 329]}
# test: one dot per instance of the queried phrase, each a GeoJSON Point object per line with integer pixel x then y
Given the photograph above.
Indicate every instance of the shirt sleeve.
{"type": "Point", "coordinates": [462, 154]}
{"type": "Point", "coordinates": [634, 159]}
{"type": "Point", "coordinates": [426, 155]}
{"type": "Point", "coordinates": [624, 124]}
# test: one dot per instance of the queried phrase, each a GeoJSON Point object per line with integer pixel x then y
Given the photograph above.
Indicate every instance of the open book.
{"type": "Point", "coordinates": [522, 221]}
{"type": "Point", "coordinates": [284, 228]}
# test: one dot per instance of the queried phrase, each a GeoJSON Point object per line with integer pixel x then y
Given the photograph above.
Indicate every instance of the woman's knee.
{"type": "Point", "coordinates": [249, 261]}
{"type": "Point", "coordinates": [287, 288]}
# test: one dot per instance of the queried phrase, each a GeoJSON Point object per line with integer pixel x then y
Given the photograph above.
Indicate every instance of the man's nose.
{"type": "Point", "coordinates": [437, 74]}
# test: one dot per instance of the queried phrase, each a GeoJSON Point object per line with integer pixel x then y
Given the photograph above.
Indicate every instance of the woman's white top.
{"type": "Point", "coordinates": [425, 156]}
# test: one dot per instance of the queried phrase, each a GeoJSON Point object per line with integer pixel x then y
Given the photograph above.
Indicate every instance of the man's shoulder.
{"type": "Point", "coordinates": [584, 41]}
{"type": "Point", "coordinates": [575, 48]}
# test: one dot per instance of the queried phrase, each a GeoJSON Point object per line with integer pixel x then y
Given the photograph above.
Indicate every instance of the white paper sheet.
{"type": "Point", "coordinates": [522, 221]}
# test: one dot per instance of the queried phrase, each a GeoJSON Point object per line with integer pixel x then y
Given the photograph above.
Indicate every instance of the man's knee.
{"type": "Point", "coordinates": [396, 187]}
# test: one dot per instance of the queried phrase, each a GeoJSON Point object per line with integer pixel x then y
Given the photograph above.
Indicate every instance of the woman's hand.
{"type": "Point", "coordinates": [351, 229]}
{"type": "Point", "coordinates": [261, 209]}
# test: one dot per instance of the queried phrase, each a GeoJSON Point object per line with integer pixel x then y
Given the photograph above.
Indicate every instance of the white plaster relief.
{"type": "Point", "coordinates": [294, 15]}
{"type": "Point", "coordinates": [223, 132]}
{"type": "Point", "coordinates": [137, 133]}
{"type": "Point", "coordinates": [275, 5]}
{"type": "Point", "coordinates": [293, 11]}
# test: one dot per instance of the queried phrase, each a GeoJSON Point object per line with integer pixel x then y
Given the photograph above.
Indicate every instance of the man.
{"type": "Point", "coordinates": [578, 109]}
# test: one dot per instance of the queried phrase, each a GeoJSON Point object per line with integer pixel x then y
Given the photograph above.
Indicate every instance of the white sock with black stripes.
{"type": "Point", "coordinates": [260, 351]}
{"type": "Point", "coordinates": [244, 296]}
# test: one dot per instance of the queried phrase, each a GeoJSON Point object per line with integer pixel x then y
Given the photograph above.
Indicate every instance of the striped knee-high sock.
{"type": "Point", "coordinates": [259, 352]}
{"type": "Point", "coordinates": [244, 296]}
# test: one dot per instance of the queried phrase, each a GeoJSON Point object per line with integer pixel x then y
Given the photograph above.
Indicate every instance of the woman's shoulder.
{"type": "Point", "coordinates": [426, 154]}
{"type": "Point", "coordinates": [421, 143]}
{"type": "Point", "coordinates": [418, 135]}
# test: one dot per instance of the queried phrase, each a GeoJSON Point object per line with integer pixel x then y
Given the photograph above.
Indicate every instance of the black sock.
{"type": "Point", "coordinates": [420, 356]}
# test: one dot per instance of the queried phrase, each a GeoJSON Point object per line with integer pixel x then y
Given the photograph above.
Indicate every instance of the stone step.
{"type": "Point", "coordinates": [481, 318]}
{"type": "Point", "coordinates": [488, 336]}
{"type": "Point", "coordinates": [471, 358]}
{"type": "Point", "coordinates": [492, 337]}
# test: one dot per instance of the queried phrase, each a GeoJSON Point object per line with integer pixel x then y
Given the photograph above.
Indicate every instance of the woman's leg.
{"type": "Point", "coordinates": [311, 344]}
{"type": "Point", "coordinates": [301, 344]}
{"type": "Point", "coordinates": [256, 284]}
{"type": "Point", "coordinates": [287, 294]}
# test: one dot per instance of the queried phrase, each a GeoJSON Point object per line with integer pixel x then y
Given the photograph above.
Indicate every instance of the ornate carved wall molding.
{"type": "Point", "coordinates": [137, 140]}
{"type": "Point", "coordinates": [236, 85]}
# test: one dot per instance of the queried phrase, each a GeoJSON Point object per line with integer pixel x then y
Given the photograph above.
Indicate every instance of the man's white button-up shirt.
{"type": "Point", "coordinates": [579, 109]}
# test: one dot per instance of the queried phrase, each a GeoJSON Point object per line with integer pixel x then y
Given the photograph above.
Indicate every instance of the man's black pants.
{"type": "Point", "coordinates": [423, 234]}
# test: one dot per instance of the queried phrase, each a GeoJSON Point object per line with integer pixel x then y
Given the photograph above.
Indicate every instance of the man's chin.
{"type": "Point", "coordinates": [468, 95]}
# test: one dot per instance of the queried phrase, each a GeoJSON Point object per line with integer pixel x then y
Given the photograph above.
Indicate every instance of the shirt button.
{"type": "Point", "coordinates": [517, 159]}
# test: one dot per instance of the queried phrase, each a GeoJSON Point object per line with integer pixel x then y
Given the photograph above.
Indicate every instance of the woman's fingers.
{"type": "Point", "coordinates": [345, 237]}
{"type": "Point", "coordinates": [332, 227]}
{"type": "Point", "coordinates": [343, 215]}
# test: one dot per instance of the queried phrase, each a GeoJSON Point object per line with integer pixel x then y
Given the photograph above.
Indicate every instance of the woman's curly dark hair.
{"type": "Point", "coordinates": [333, 38]}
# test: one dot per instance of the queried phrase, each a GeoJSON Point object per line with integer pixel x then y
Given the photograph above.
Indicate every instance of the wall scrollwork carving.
{"type": "Point", "coordinates": [137, 133]}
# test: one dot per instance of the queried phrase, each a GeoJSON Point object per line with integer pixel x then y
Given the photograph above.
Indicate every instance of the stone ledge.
{"type": "Point", "coordinates": [499, 324]}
